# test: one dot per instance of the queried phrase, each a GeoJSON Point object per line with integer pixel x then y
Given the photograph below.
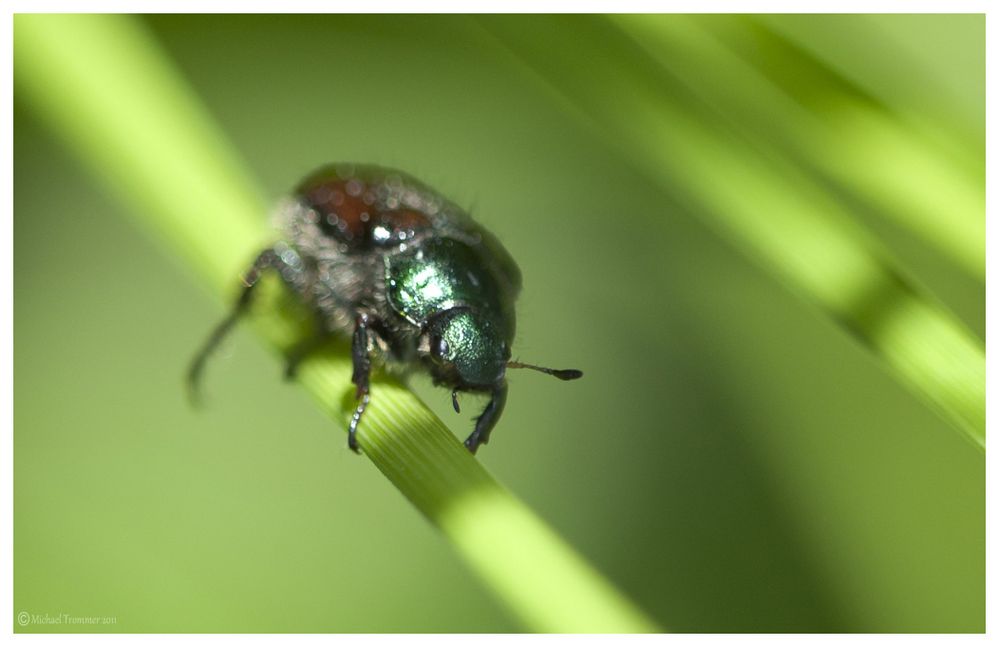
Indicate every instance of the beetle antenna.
{"type": "Point", "coordinates": [560, 373]}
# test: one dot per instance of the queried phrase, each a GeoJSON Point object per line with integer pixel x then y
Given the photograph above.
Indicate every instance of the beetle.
{"type": "Point", "coordinates": [408, 275]}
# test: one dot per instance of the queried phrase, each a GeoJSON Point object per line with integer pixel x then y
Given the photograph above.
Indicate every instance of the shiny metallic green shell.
{"type": "Point", "coordinates": [443, 273]}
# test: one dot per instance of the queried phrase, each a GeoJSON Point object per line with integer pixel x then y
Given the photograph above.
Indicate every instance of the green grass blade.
{"type": "Point", "coordinates": [878, 46]}
{"type": "Point", "coordinates": [764, 204]}
{"type": "Point", "coordinates": [881, 158]}
{"type": "Point", "coordinates": [107, 89]}
{"type": "Point", "coordinates": [103, 85]}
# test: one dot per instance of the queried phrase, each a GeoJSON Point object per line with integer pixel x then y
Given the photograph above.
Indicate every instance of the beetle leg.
{"type": "Point", "coordinates": [268, 259]}
{"type": "Point", "coordinates": [487, 420]}
{"type": "Point", "coordinates": [360, 377]}
{"type": "Point", "coordinates": [354, 420]}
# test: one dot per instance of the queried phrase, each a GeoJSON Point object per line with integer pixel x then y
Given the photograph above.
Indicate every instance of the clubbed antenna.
{"type": "Point", "coordinates": [562, 374]}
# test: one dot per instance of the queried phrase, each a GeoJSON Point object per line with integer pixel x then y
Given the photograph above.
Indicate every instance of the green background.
{"type": "Point", "coordinates": [733, 459]}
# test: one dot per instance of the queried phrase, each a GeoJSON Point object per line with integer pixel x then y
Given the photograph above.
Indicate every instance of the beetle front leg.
{"type": "Point", "coordinates": [487, 420]}
{"type": "Point", "coordinates": [362, 373]}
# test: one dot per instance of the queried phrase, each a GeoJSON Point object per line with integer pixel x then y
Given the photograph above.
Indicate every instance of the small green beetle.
{"type": "Point", "coordinates": [406, 273]}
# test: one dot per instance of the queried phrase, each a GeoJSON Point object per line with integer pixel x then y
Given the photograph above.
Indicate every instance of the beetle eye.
{"type": "Point", "coordinates": [440, 348]}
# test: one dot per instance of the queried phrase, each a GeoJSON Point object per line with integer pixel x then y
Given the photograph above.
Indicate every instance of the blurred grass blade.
{"type": "Point", "coordinates": [848, 137]}
{"type": "Point", "coordinates": [894, 57]}
{"type": "Point", "coordinates": [104, 86]}
{"type": "Point", "coordinates": [107, 89]}
{"type": "Point", "coordinates": [764, 204]}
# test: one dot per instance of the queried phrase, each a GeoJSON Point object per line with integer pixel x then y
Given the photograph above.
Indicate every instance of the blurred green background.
{"type": "Point", "coordinates": [734, 460]}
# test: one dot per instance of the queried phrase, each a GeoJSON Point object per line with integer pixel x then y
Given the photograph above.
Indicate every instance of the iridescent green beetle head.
{"type": "Point", "coordinates": [467, 349]}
